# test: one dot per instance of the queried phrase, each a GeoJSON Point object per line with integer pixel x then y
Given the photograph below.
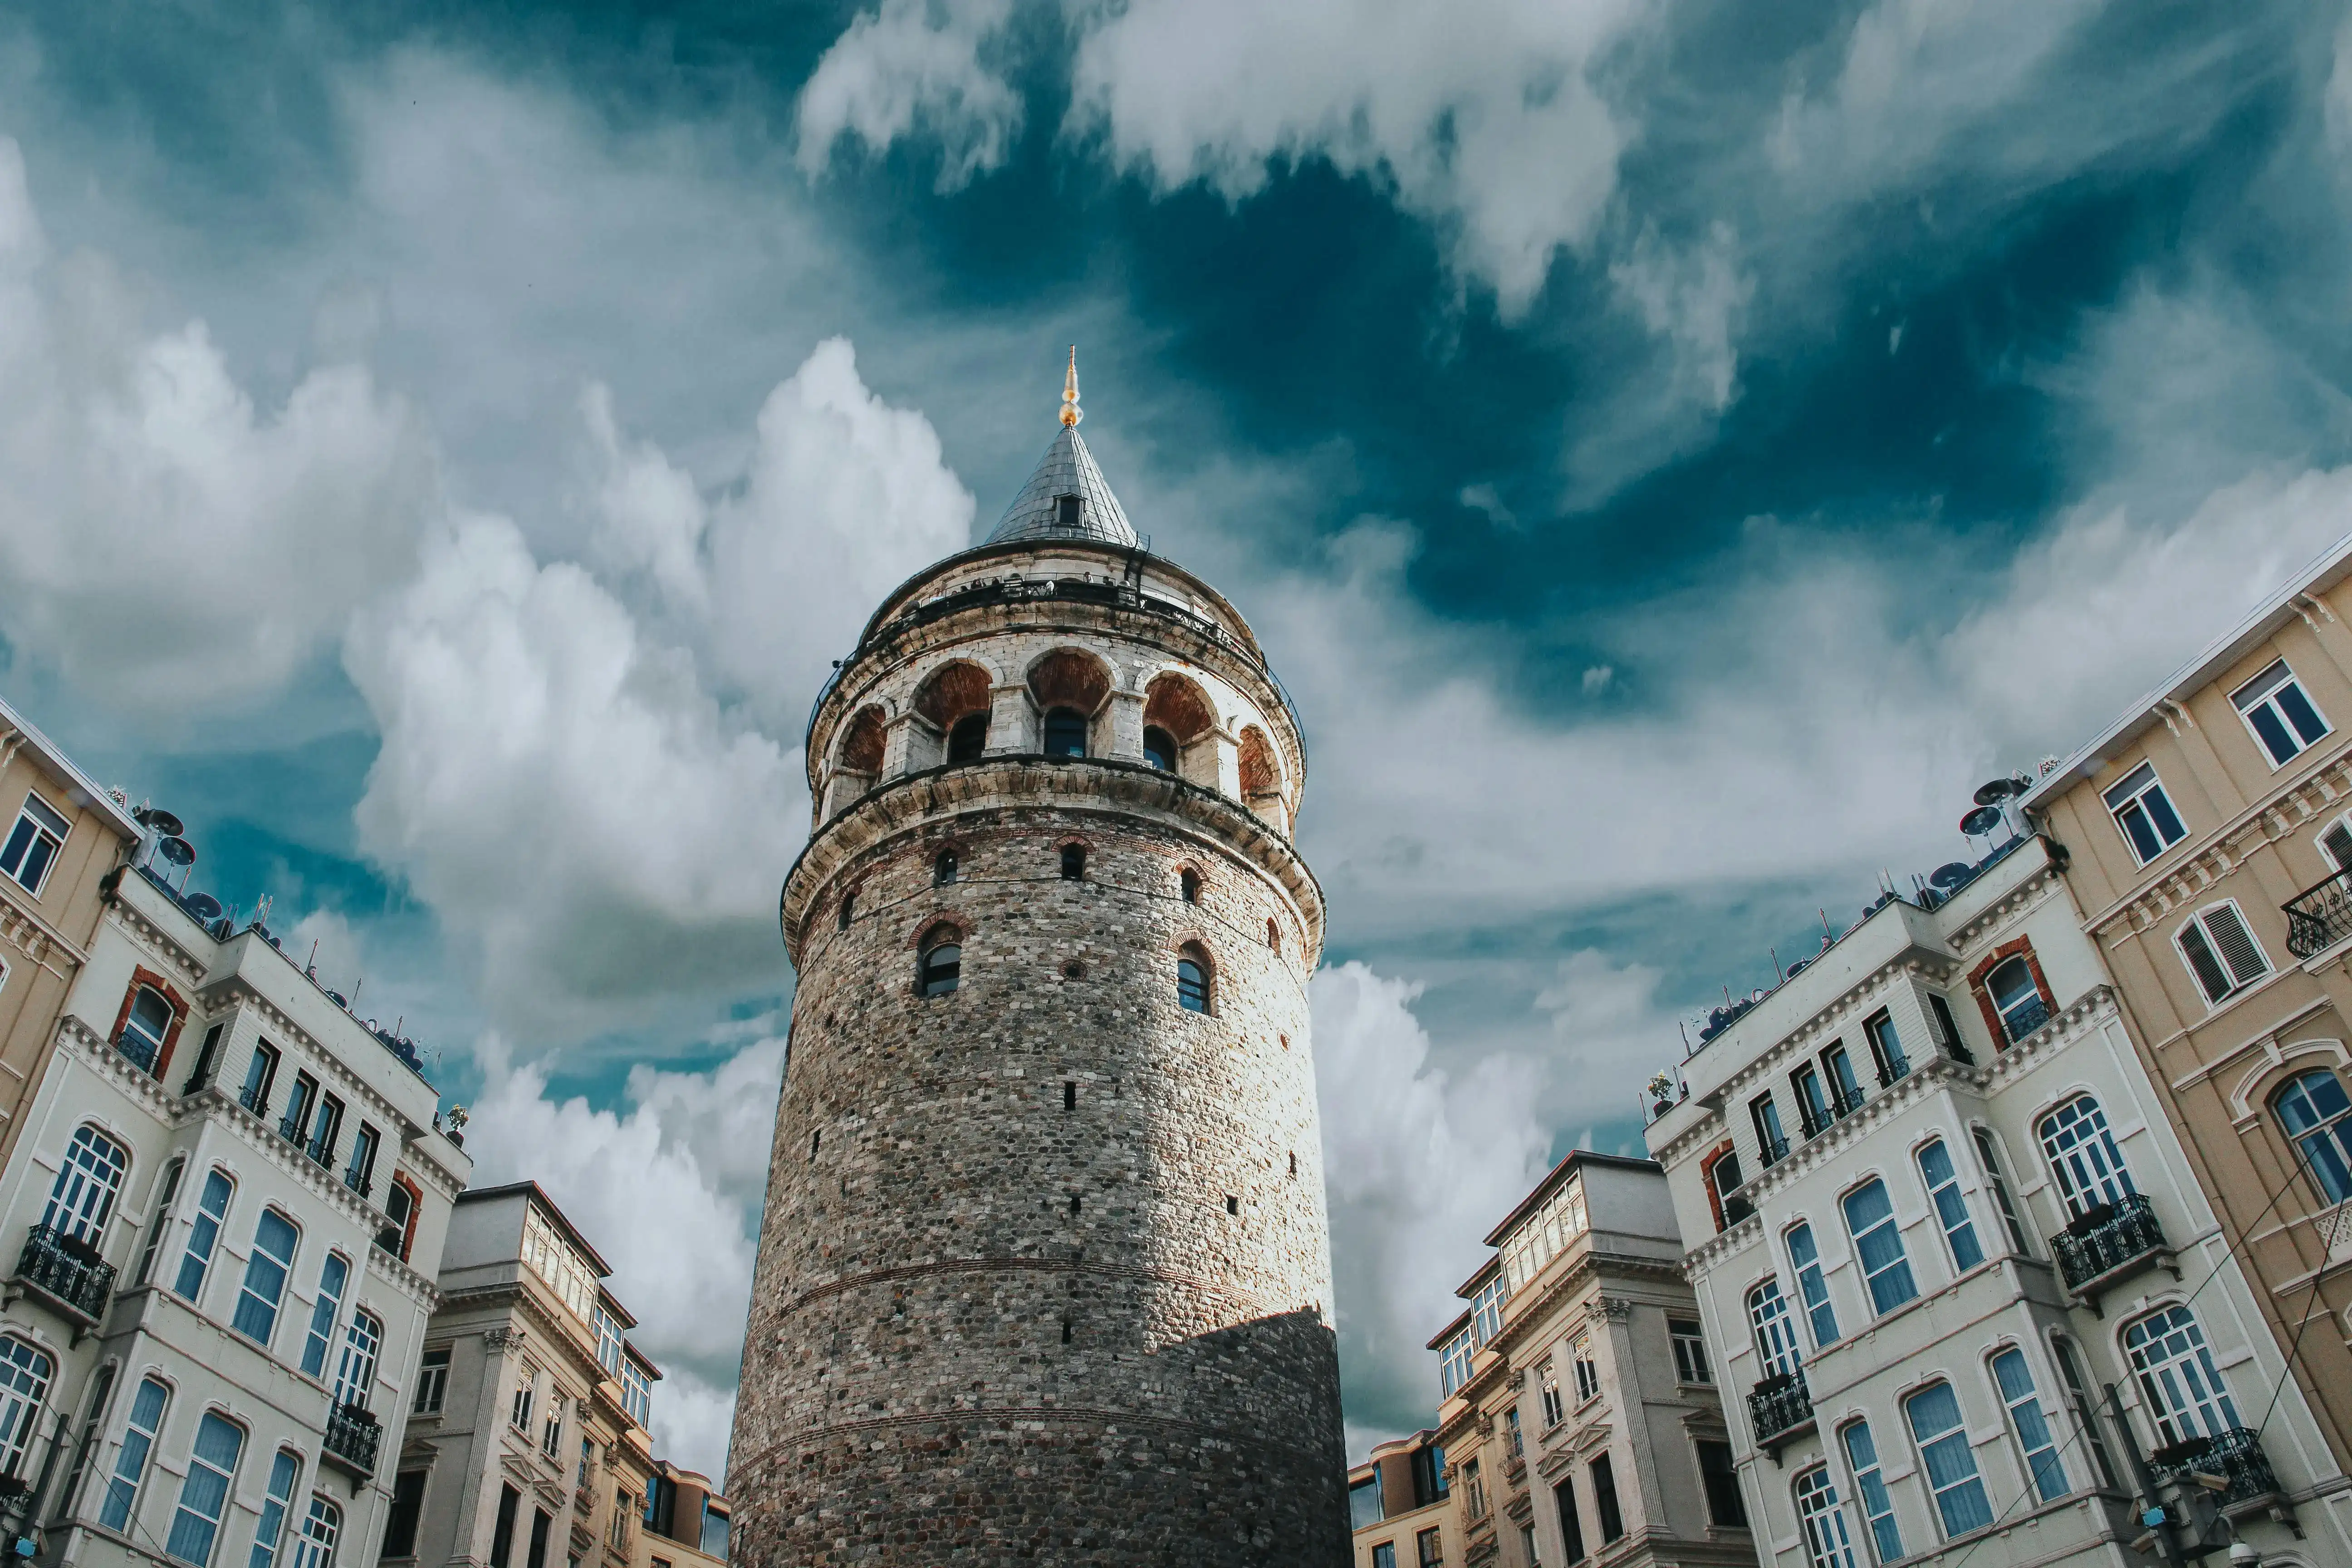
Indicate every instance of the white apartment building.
{"type": "Point", "coordinates": [1969, 1304]}
{"type": "Point", "coordinates": [226, 1209]}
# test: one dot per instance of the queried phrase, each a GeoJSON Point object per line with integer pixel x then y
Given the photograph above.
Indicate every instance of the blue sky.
{"type": "Point", "coordinates": [1672, 449]}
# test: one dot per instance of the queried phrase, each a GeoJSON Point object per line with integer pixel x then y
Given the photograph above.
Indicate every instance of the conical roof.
{"type": "Point", "coordinates": [1041, 511]}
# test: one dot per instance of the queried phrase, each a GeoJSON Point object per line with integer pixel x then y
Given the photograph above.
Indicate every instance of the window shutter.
{"type": "Point", "coordinates": [2337, 842]}
{"type": "Point", "coordinates": [2203, 964]}
{"type": "Point", "coordinates": [2237, 943]}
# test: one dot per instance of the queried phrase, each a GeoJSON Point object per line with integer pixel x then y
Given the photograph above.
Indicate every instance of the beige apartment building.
{"type": "Point", "coordinates": [527, 1444]}
{"type": "Point", "coordinates": [64, 837]}
{"type": "Point", "coordinates": [2208, 842]}
{"type": "Point", "coordinates": [1400, 1508]}
{"type": "Point", "coordinates": [1580, 1420]}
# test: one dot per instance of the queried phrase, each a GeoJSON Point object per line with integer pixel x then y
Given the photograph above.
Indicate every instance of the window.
{"type": "Point", "coordinates": [333, 1275]}
{"type": "Point", "coordinates": [407, 1504]}
{"type": "Point", "coordinates": [1812, 1099]}
{"type": "Point", "coordinates": [1870, 1489]}
{"type": "Point", "coordinates": [2221, 951]}
{"type": "Point", "coordinates": [1776, 1341]}
{"type": "Point", "coordinates": [1188, 885]}
{"type": "Point", "coordinates": [400, 1208]}
{"type": "Point", "coordinates": [1571, 1528]}
{"type": "Point", "coordinates": [1604, 1499]}
{"type": "Point", "coordinates": [1192, 984]}
{"type": "Point", "coordinates": [2275, 707]}
{"type": "Point", "coordinates": [1827, 1545]}
{"type": "Point", "coordinates": [24, 1383]}
{"type": "Point", "coordinates": [2186, 1397]}
{"type": "Point", "coordinates": [284, 1470]}
{"type": "Point", "coordinates": [502, 1533]}
{"type": "Point", "coordinates": [361, 1175]}
{"type": "Point", "coordinates": [1485, 1307]}
{"type": "Point", "coordinates": [202, 1074]}
{"type": "Point", "coordinates": [356, 1373]}
{"type": "Point", "coordinates": [1989, 1159]}
{"type": "Point", "coordinates": [2082, 1155]}
{"type": "Point", "coordinates": [1067, 510]}
{"type": "Point", "coordinates": [1951, 1207]}
{"type": "Point", "coordinates": [130, 1463]}
{"type": "Point", "coordinates": [1273, 935]}
{"type": "Point", "coordinates": [941, 968]}
{"type": "Point", "coordinates": [966, 742]}
{"type": "Point", "coordinates": [2026, 1421]}
{"type": "Point", "coordinates": [101, 1389]}
{"type": "Point", "coordinates": [432, 1382]}
{"type": "Point", "coordinates": [1771, 1142]}
{"type": "Point", "coordinates": [587, 1459]}
{"type": "Point", "coordinates": [1588, 1374]}
{"type": "Point", "coordinates": [1073, 862]}
{"type": "Point", "coordinates": [82, 1198]}
{"type": "Point", "coordinates": [2017, 998]}
{"type": "Point", "coordinates": [326, 1128]}
{"type": "Point", "coordinates": [33, 844]}
{"type": "Point", "coordinates": [519, 1408]}
{"type": "Point", "coordinates": [145, 1025]}
{"type": "Point", "coordinates": [1806, 1259]}
{"type": "Point", "coordinates": [608, 1340]}
{"type": "Point", "coordinates": [1869, 1216]}
{"type": "Point", "coordinates": [2144, 813]}
{"type": "Point", "coordinates": [1720, 1477]}
{"type": "Point", "coordinates": [2317, 1115]}
{"type": "Point", "coordinates": [203, 1492]}
{"type": "Point", "coordinates": [1511, 1434]}
{"type": "Point", "coordinates": [847, 912]}
{"type": "Point", "coordinates": [2335, 842]}
{"type": "Point", "coordinates": [1936, 1426]}
{"type": "Point", "coordinates": [1159, 748]}
{"type": "Point", "coordinates": [297, 1109]}
{"type": "Point", "coordinates": [1454, 1362]}
{"type": "Point", "coordinates": [260, 1074]}
{"type": "Point", "coordinates": [203, 1235]}
{"type": "Point", "coordinates": [1690, 1351]}
{"type": "Point", "coordinates": [943, 869]}
{"type": "Point", "coordinates": [1845, 1088]}
{"type": "Point", "coordinates": [1430, 1547]}
{"type": "Point", "coordinates": [616, 1533]}
{"type": "Point", "coordinates": [550, 1436]}
{"type": "Point", "coordinates": [1527, 1546]}
{"type": "Point", "coordinates": [1947, 1026]}
{"type": "Point", "coordinates": [638, 1394]}
{"type": "Point", "coordinates": [1384, 1555]}
{"type": "Point", "coordinates": [1065, 732]}
{"type": "Point", "coordinates": [1474, 1491]}
{"type": "Point", "coordinates": [320, 1526]}
{"type": "Point", "coordinates": [2078, 1393]}
{"type": "Point", "coordinates": [265, 1268]}
{"type": "Point", "coordinates": [1555, 1409]}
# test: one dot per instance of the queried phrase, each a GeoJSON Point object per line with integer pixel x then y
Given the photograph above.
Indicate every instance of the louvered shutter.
{"type": "Point", "coordinates": [2203, 964]}
{"type": "Point", "coordinates": [2337, 842]}
{"type": "Point", "coordinates": [2227, 929]}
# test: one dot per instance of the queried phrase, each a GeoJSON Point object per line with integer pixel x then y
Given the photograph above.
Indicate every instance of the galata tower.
{"type": "Point", "coordinates": [1045, 1275]}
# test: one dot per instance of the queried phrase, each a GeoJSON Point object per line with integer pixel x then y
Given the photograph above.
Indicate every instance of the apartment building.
{"type": "Point", "coordinates": [1400, 1508]}
{"type": "Point", "coordinates": [64, 836]}
{"type": "Point", "coordinates": [527, 1441]}
{"type": "Point", "coordinates": [2210, 840]}
{"type": "Point", "coordinates": [1956, 1262]}
{"type": "Point", "coordinates": [227, 1202]}
{"type": "Point", "coordinates": [1579, 1410]}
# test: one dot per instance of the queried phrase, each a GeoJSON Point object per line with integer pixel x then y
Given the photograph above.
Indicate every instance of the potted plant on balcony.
{"type": "Point", "coordinates": [1661, 1095]}
{"type": "Point", "coordinates": [77, 1248]}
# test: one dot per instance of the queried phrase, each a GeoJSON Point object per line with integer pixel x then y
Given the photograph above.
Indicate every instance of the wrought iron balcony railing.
{"type": "Point", "coordinates": [2235, 1456]}
{"type": "Point", "coordinates": [2107, 1241]}
{"type": "Point", "coordinates": [1779, 1408]}
{"type": "Point", "coordinates": [321, 1152]}
{"type": "Point", "coordinates": [358, 1181]}
{"type": "Point", "coordinates": [2024, 1018]}
{"type": "Point", "coordinates": [137, 1049]}
{"type": "Point", "coordinates": [2320, 916]}
{"type": "Point", "coordinates": [354, 1434]}
{"type": "Point", "coordinates": [252, 1097]}
{"type": "Point", "coordinates": [1774, 1151]}
{"type": "Point", "coordinates": [290, 1127]}
{"type": "Point", "coordinates": [67, 1270]}
{"type": "Point", "coordinates": [1735, 1208]}
{"type": "Point", "coordinates": [1842, 1103]}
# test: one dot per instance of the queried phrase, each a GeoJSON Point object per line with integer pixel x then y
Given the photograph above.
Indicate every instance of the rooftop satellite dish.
{"type": "Point", "coordinates": [204, 907]}
{"type": "Point", "coordinates": [1979, 823]}
{"type": "Point", "coordinates": [1951, 874]}
{"type": "Point", "coordinates": [337, 999]}
{"type": "Point", "coordinates": [156, 818]}
{"type": "Point", "coordinates": [177, 850]}
{"type": "Point", "coordinates": [1993, 791]}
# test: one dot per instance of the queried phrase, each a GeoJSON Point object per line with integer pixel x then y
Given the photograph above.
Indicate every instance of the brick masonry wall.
{"type": "Point", "coordinates": [945, 1364]}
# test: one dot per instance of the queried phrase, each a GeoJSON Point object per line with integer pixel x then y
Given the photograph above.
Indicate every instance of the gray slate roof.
{"type": "Point", "coordinates": [1067, 468]}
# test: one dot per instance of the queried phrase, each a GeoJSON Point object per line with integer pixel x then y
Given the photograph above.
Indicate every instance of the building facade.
{"type": "Point", "coordinates": [1971, 1299]}
{"type": "Point", "coordinates": [1044, 1257]}
{"type": "Point", "coordinates": [526, 1444]}
{"type": "Point", "coordinates": [1398, 1503]}
{"type": "Point", "coordinates": [2209, 831]}
{"type": "Point", "coordinates": [228, 1201]}
{"type": "Point", "coordinates": [1580, 1416]}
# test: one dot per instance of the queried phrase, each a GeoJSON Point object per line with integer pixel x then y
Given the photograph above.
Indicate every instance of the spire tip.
{"type": "Point", "coordinates": [1071, 412]}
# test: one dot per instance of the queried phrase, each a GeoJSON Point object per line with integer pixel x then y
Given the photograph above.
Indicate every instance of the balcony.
{"type": "Point", "coordinates": [2109, 1244]}
{"type": "Point", "coordinates": [2320, 916]}
{"type": "Point", "coordinates": [357, 1180]}
{"type": "Point", "coordinates": [67, 1273]}
{"type": "Point", "coordinates": [2235, 1459]}
{"type": "Point", "coordinates": [352, 1437]}
{"type": "Point", "coordinates": [1780, 1408]}
{"type": "Point", "coordinates": [2019, 1021]}
{"type": "Point", "coordinates": [321, 1152]}
{"type": "Point", "coordinates": [137, 1049]}
{"type": "Point", "coordinates": [1735, 1208]}
{"type": "Point", "coordinates": [290, 1129]}
{"type": "Point", "coordinates": [1772, 1150]}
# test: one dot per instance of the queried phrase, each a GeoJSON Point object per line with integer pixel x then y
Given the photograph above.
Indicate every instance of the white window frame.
{"type": "Point", "coordinates": [2082, 1185]}
{"type": "Point", "coordinates": [1774, 1329]}
{"type": "Point", "coordinates": [1813, 1284]}
{"type": "Point", "coordinates": [1587, 1370]}
{"type": "Point", "coordinates": [2138, 798]}
{"type": "Point", "coordinates": [1881, 1529]}
{"type": "Point", "coordinates": [2186, 1396]}
{"type": "Point", "coordinates": [190, 1505]}
{"type": "Point", "coordinates": [1689, 1342]}
{"type": "Point", "coordinates": [270, 1530]}
{"type": "Point", "coordinates": [81, 1200]}
{"type": "Point", "coordinates": [57, 830]}
{"type": "Point", "coordinates": [1821, 1518]}
{"type": "Point", "coordinates": [26, 1371]}
{"type": "Point", "coordinates": [2262, 692]}
{"type": "Point", "coordinates": [2214, 950]}
{"type": "Point", "coordinates": [318, 1339]}
{"type": "Point", "coordinates": [134, 1457]}
{"type": "Point", "coordinates": [355, 1370]}
{"type": "Point", "coordinates": [1955, 1218]}
{"type": "Point", "coordinates": [2328, 856]}
{"type": "Point", "coordinates": [2026, 1410]}
{"type": "Point", "coordinates": [1555, 1408]}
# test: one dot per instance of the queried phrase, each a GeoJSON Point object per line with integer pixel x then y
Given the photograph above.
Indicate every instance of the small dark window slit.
{"type": "Point", "coordinates": [1233, 1203]}
{"type": "Point", "coordinates": [1294, 1164]}
{"type": "Point", "coordinates": [816, 1140]}
{"type": "Point", "coordinates": [1069, 1097]}
{"type": "Point", "coordinates": [1074, 1203]}
{"type": "Point", "coordinates": [1066, 1329]}
{"type": "Point", "coordinates": [1073, 862]}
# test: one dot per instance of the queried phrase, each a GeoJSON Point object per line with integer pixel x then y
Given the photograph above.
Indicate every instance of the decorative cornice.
{"type": "Point", "coordinates": [2320, 793]}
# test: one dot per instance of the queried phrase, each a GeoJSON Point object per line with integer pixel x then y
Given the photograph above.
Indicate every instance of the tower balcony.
{"type": "Point", "coordinates": [1779, 1409]}
{"type": "Point", "coordinates": [65, 1272]}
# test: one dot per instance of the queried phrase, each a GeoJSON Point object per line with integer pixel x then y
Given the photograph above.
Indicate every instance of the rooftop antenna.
{"type": "Point", "coordinates": [1778, 977]}
{"type": "Point", "coordinates": [1827, 934]}
{"type": "Point", "coordinates": [312, 967]}
{"type": "Point", "coordinates": [1071, 412]}
{"type": "Point", "coordinates": [355, 992]}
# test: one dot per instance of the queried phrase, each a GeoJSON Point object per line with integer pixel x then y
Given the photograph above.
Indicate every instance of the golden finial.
{"type": "Point", "coordinates": [1071, 414]}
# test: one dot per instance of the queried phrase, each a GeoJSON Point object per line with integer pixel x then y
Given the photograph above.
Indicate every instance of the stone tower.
{"type": "Point", "coordinates": [1045, 1275]}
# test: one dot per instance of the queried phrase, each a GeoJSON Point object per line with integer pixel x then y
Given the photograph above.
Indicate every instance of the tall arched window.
{"type": "Point", "coordinates": [1192, 981]}
{"type": "Point", "coordinates": [1189, 885]}
{"type": "Point", "coordinates": [320, 1527]}
{"type": "Point", "coordinates": [2083, 1154]}
{"type": "Point", "coordinates": [82, 1198]}
{"type": "Point", "coordinates": [144, 1027]}
{"type": "Point", "coordinates": [146, 1418]}
{"type": "Point", "coordinates": [1878, 1242]}
{"type": "Point", "coordinates": [1065, 732]}
{"type": "Point", "coordinates": [1827, 1545]}
{"type": "Point", "coordinates": [2017, 998]}
{"type": "Point", "coordinates": [847, 913]}
{"type": "Point", "coordinates": [24, 1383]}
{"type": "Point", "coordinates": [939, 969]}
{"type": "Point", "coordinates": [2185, 1395]}
{"type": "Point", "coordinates": [1159, 748]}
{"type": "Point", "coordinates": [266, 1267]}
{"type": "Point", "coordinates": [943, 869]}
{"type": "Point", "coordinates": [2317, 1113]}
{"type": "Point", "coordinates": [333, 1275]}
{"type": "Point", "coordinates": [968, 739]}
{"type": "Point", "coordinates": [1273, 935]}
{"type": "Point", "coordinates": [1806, 1258]}
{"type": "Point", "coordinates": [205, 1490]}
{"type": "Point", "coordinates": [1775, 1336]}
{"type": "Point", "coordinates": [356, 1373]}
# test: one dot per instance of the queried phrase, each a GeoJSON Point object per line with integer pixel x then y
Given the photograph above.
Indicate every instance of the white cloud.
{"type": "Point", "coordinates": [910, 64]}
{"type": "Point", "coordinates": [324, 943]}
{"type": "Point", "coordinates": [167, 546]}
{"type": "Point", "coordinates": [1693, 298]}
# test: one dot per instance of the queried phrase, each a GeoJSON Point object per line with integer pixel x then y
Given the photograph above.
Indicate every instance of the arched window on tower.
{"type": "Point", "coordinates": [848, 910]}
{"type": "Point", "coordinates": [1192, 980]}
{"type": "Point", "coordinates": [943, 869]}
{"type": "Point", "coordinates": [940, 967]}
{"type": "Point", "coordinates": [1065, 734]}
{"type": "Point", "coordinates": [1189, 885]}
{"type": "Point", "coordinates": [1073, 862]}
{"type": "Point", "coordinates": [1159, 748]}
{"type": "Point", "coordinates": [1273, 935]}
{"type": "Point", "coordinates": [969, 739]}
